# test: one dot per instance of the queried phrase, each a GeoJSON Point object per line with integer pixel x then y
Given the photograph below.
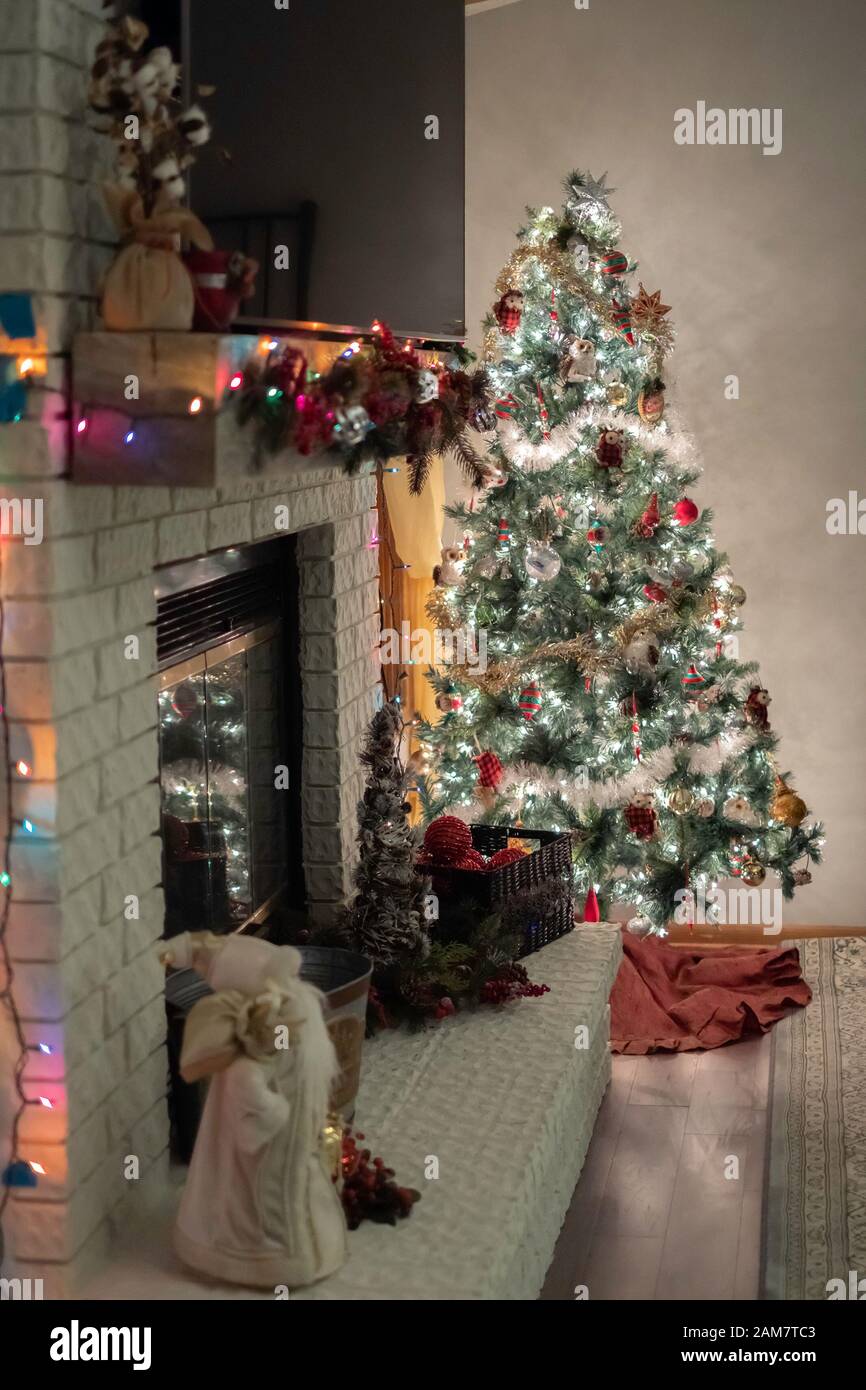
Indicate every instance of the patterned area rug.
{"type": "Point", "coordinates": [815, 1195]}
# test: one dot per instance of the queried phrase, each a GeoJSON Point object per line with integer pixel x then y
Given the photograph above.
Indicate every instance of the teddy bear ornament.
{"type": "Point", "coordinates": [260, 1207]}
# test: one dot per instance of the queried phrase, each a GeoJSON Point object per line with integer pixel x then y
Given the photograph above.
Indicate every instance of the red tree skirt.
{"type": "Point", "coordinates": [670, 999]}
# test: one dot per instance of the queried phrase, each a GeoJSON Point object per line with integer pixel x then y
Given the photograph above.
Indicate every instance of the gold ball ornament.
{"type": "Point", "coordinates": [736, 594]}
{"type": "Point", "coordinates": [753, 872]}
{"type": "Point", "coordinates": [787, 806]}
{"type": "Point", "coordinates": [618, 395]}
{"type": "Point", "coordinates": [681, 801]}
{"type": "Point", "coordinates": [801, 877]}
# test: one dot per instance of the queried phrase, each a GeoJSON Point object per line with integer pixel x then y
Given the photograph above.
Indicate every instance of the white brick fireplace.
{"type": "Point", "coordinates": [83, 715]}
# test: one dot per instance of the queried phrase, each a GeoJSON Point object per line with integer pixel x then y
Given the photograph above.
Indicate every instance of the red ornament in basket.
{"type": "Point", "coordinates": [447, 840]}
{"type": "Point", "coordinates": [503, 857]}
{"type": "Point", "coordinates": [220, 280]}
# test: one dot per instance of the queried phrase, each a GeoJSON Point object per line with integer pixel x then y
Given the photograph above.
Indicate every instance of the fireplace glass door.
{"type": "Point", "coordinates": [223, 810]}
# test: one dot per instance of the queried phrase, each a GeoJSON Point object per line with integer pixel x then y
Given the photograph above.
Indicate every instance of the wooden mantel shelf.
{"type": "Point", "coordinates": [151, 409]}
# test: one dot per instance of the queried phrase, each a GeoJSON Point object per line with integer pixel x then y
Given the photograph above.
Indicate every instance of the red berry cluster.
{"type": "Point", "coordinates": [512, 982]}
{"type": "Point", "coordinates": [369, 1192]}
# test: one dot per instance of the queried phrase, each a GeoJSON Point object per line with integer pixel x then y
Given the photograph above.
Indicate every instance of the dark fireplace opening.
{"type": "Point", "coordinates": [230, 720]}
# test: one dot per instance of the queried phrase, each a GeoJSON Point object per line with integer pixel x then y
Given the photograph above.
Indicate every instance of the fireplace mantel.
{"type": "Point", "coordinates": [154, 409]}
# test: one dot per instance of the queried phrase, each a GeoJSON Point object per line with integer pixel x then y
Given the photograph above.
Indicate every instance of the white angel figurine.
{"type": "Point", "coordinates": [259, 1206]}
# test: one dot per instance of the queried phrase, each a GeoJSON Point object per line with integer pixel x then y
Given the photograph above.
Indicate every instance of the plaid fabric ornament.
{"type": "Point", "coordinates": [506, 407]}
{"type": "Point", "coordinates": [530, 700]}
{"type": "Point", "coordinates": [508, 311]}
{"type": "Point", "coordinates": [503, 534]}
{"type": "Point", "coordinates": [622, 320]}
{"type": "Point", "coordinates": [489, 769]}
{"type": "Point", "coordinates": [641, 820]}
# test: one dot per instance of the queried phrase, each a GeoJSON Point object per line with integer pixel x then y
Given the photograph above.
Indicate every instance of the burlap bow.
{"type": "Point", "coordinates": [231, 1024]}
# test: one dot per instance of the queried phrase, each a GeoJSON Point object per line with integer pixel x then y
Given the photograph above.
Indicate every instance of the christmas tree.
{"type": "Point", "coordinates": [611, 703]}
{"type": "Point", "coordinates": [385, 919]}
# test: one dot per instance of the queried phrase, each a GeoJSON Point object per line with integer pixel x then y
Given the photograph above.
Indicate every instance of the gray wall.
{"type": "Point", "coordinates": [762, 259]}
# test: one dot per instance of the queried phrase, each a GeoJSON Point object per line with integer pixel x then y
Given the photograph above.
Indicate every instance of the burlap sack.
{"type": "Point", "coordinates": [147, 286]}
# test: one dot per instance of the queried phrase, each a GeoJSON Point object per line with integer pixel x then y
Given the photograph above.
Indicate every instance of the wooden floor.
{"type": "Point", "coordinates": [669, 1202]}
{"type": "Point", "coordinates": [751, 935]}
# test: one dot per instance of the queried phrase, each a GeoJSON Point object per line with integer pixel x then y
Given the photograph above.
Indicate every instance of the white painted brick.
{"type": "Point", "coordinates": [145, 1031]}
{"type": "Point", "coordinates": [37, 80]}
{"type": "Point", "coordinates": [128, 768]}
{"type": "Point", "coordinates": [125, 552]}
{"type": "Point", "coordinates": [100, 1074]}
{"type": "Point", "coordinates": [83, 1030]}
{"type": "Point", "coordinates": [140, 934]}
{"type": "Point", "coordinates": [137, 710]}
{"type": "Point", "coordinates": [322, 578]}
{"type": "Point", "coordinates": [130, 989]}
{"type": "Point", "coordinates": [327, 615]}
{"type": "Point", "coordinates": [54, 567]}
{"type": "Point", "coordinates": [50, 264]}
{"type": "Point", "coordinates": [138, 1094]}
{"type": "Point", "coordinates": [142, 503]}
{"type": "Point", "coordinates": [55, 626]}
{"type": "Point", "coordinates": [115, 671]}
{"type": "Point", "coordinates": [51, 689]}
{"type": "Point", "coordinates": [136, 605]}
{"type": "Point", "coordinates": [327, 882]}
{"type": "Point", "coordinates": [58, 808]}
{"type": "Point", "coordinates": [54, 750]}
{"type": "Point", "coordinates": [49, 931]}
{"type": "Point", "coordinates": [89, 850]}
{"type": "Point", "coordinates": [149, 1136]}
{"type": "Point", "coordinates": [231, 525]}
{"type": "Point", "coordinates": [181, 537]}
{"type": "Point", "coordinates": [36, 202]}
{"type": "Point", "coordinates": [136, 873]}
{"type": "Point", "coordinates": [49, 26]}
{"type": "Point", "coordinates": [139, 816]}
{"type": "Point", "coordinates": [328, 691]}
{"type": "Point", "coordinates": [32, 451]}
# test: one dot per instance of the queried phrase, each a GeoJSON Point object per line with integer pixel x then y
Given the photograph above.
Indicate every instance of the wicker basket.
{"type": "Point", "coordinates": [552, 860]}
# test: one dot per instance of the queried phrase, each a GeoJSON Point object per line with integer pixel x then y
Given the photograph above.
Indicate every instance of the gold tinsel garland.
{"type": "Point", "coordinates": [500, 675]}
{"type": "Point", "coordinates": [564, 277]}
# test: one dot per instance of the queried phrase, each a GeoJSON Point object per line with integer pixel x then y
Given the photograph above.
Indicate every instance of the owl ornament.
{"type": "Point", "coordinates": [450, 571]}
{"type": "Point", "coordinates": [508, 311]}
{"type": "Point", "coordinates": [640, 816]}
{"type": "Point", "coordinates": [755, 708]}
{"type": "Point", "coordinates": [610, 449]}
{"type": "Point", "coordinates": [579, 362]}
{"type": "Point", "coordinates": [426, 387]}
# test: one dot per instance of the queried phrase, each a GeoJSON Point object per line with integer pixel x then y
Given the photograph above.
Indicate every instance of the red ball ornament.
{"type": "Point", "coordinates": [502, 857]}
{"type": "Point", "coordinates": [685, 512]}
{"type": "Point", "coordinates": [655, 593]}
{"type": "Point", "coordinates": [471, 860]}
{"type": "Point", "coordinates": [447, 840]}
{"type": "Point", "coordinates": [596, 534]}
